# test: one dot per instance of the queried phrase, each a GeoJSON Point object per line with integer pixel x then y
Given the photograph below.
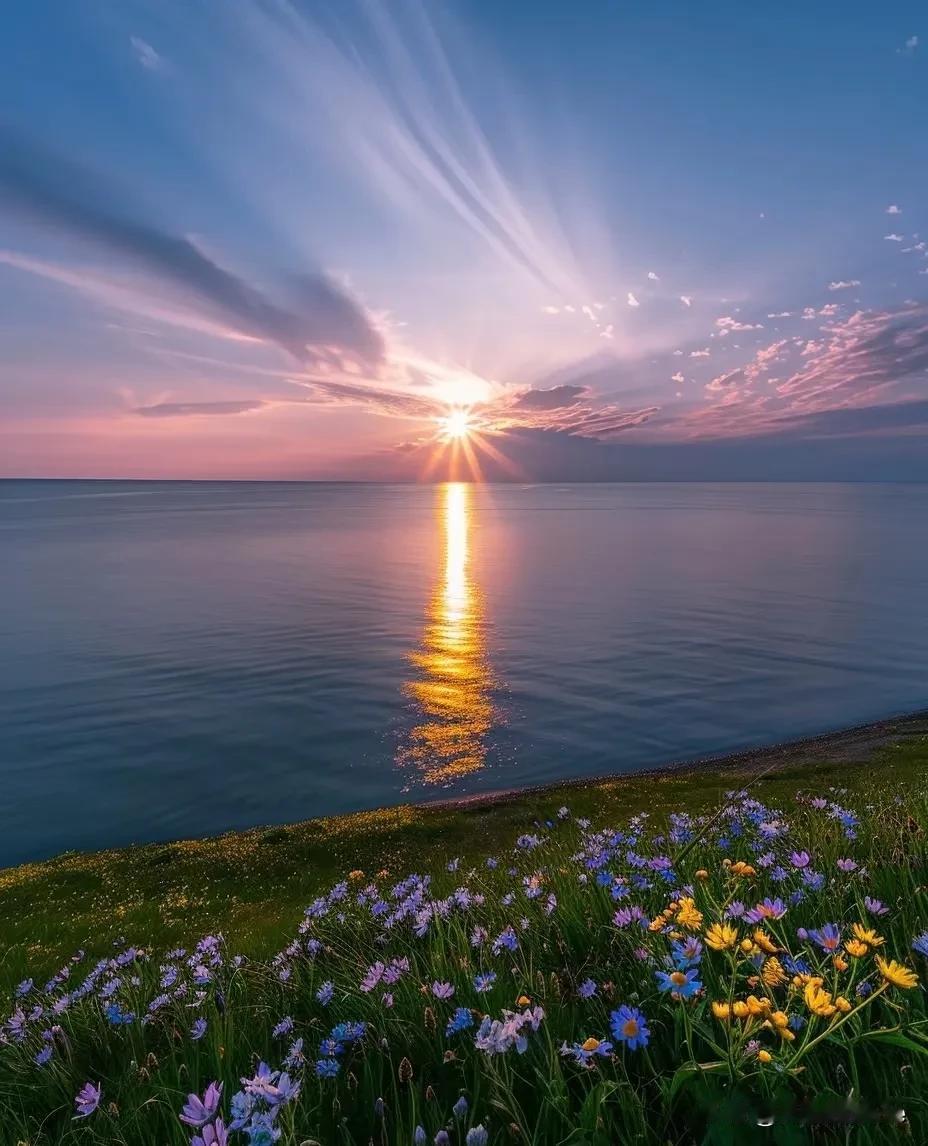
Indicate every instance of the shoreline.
{"type": "Point", "coordinates": [251, 885]}
{"type": "Point", "coordinates": [851, 743]}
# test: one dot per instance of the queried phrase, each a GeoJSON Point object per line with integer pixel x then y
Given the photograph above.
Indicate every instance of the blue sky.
{"type": "Point", "coordinates": [285, 239]}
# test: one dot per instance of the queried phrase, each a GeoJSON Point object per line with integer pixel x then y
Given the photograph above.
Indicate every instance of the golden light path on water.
{"type": "Point", "coordinates": [452, 683]}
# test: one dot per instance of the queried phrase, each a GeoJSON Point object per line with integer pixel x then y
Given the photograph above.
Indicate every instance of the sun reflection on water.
{"type": "Point", "coordinates": [451, 689]}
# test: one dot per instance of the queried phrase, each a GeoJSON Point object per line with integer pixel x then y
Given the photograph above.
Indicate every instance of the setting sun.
{"type": "Point", "coordinates": [456, 424]}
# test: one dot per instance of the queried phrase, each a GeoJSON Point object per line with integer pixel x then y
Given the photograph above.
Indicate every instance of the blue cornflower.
{"type": "Point", "coordinates": [198, 1030]}
{"type": "Point", "coordinates": [284, 1027]}
{"type": "Point", "coordinates": [484, 981]}
{"type": "Point", "coordinates": [687, 954]}
{"type": "Point", "coordinates": [685, 984]}
{"type": "Point", "coordinates": [442, 990]}
{"type": "Point", "coordinates": [116, 1016]}
{"type": "Point", "coordinates": [587, 989]}
{"type": "Point", "coordinates": [44, 1055]}
{"type": "Point", "coordinates": [459, 1110]}
{"type": "Point", "coordinates": [629, 1026]}
{"type": "Point", "coordinates": [327, 1068]}
{"type": "Point", "coordinates": [477, 1136]}
{"type": "Point", "coordinates": [920, 943]}
{"type": "Point", "coordinates": [461, 1020]}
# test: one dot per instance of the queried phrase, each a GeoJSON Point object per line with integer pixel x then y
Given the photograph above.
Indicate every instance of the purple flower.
{"type": "Point", "coordinates": [920, 943]}
{"type": "Point", "coordinates": [284, 1027]}
{"type": "Point", "coordinates": [800, 859]}
{"type": "Point", "coordinates": [197, 1111]}
{"type": "Point", "coordinates": [459, 1110]}
{"type": "Point", "coordinates": [88, 1099]}
{"type": "Point", "coordinates": [847, 865]}
{"type": "Point", "coordinates": [874, 906]}
{"type": "Point", "coordinates": [212, 1134]}
{"type": "Point", "coordinates": [483, 982]}
{"type": "Point", "coordinates": [477, 1136]}
{"type": "Point", "coordinates": [827, 937]}
{"type": "Point", "coordinates": [373, 977]}
{"type": "Point", "coordinates": [325, 993]}
{"type": "Point", "coordinates": [442, 990]}
{"type": "Point", "coordinates": [587, 989]}
{"type": "Point", "coordinates": [198, 1030]}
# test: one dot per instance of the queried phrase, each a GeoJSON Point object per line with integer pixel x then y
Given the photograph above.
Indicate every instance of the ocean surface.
{"type": "Point", "coordinates": [178, 659]}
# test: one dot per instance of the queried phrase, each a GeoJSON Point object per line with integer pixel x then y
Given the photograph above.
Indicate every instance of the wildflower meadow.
{"type": "Point", "coordinates": [749, 972]}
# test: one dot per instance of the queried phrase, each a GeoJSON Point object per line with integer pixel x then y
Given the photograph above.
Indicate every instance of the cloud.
{"type": "Point", "coordinates": [188, 409]}
{"type": "Point", "coordinates": [686, 300]}
{"type": "Point", "coordinates": [704, 353]}
{"type": "Point", "coordinates": [632, 301]}
{"type": "Point", "coordinates": [892, 237]}
{"type": "Point", "coordinates": [322, 319]}
{"type": "Point", "coordinates": [678, 377]}
{"type": "Point", "coordinates": [843, 284]}
{"type": "Point", "coordinates": [146, 54]}
{"type": "Point", "coordinates": [653, 277]}
{"type": "Point", "coordinates": [782, 314]}
{"type": "Point", "coordinates": [909, 47]}
{"type": "Point", "coordinates": [892, 209]}
{"type": "Point", "coordinates": [553, 399]}
{"type": "Point", "coordinates": [727, 324]}
{"type": "Point", "coordinates": [862, 357]}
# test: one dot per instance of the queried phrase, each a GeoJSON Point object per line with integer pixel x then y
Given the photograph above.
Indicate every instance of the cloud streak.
{"type": "Point", "coordinates": [55, 193]}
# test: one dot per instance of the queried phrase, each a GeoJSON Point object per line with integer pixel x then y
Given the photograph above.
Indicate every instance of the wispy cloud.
{"type": "Point", "coordinates": [842, 284]}
{"type": "Point", "coordinates": [146, 54]}
{"type": "Point", "coordinates": [56, 193]}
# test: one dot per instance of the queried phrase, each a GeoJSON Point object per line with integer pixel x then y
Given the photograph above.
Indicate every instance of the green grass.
{"type": "Point", "coordinates": [700, 1078]}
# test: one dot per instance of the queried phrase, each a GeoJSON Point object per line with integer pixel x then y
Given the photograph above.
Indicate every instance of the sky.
{"type": "Point", "coordinates": [610, 240]}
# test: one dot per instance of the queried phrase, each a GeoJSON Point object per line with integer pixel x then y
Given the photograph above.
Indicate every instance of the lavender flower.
{"type": "Point", "coordinates": [87, 1099]}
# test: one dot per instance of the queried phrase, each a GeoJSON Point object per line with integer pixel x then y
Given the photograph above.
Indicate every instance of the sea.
{"type": "Point", "coordinates": [182, 658]}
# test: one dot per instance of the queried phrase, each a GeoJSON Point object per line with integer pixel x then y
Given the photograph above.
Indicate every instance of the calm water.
{"type": "Point", "coordinates": [178, 659]}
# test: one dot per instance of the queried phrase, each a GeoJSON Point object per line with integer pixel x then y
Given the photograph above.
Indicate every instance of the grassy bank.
{"type": "Point", "coordinates": [660, 959]}
{"type": "Point", "coordinates": [251, 885]}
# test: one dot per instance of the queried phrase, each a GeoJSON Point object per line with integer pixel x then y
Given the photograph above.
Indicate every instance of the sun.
{"type": "Point", "coordinates": [456, 424]}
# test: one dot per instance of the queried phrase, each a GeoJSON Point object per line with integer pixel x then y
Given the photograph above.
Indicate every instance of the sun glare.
{"type": "Point", "coordinates": [456, 424]}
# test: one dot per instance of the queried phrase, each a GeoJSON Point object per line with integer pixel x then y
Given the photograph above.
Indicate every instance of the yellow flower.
{"type": "Point", "coordinates": [721, 936]}
{"type": "Point", "coordinates": [841, 963]}
{"type": "Point", "coordinates": [818, 1000]}
{"type": "Point", "coordinates": [356, 874]}
{"type": "Point", "coordinates": [779, 1020]}
{"type": "Point", "coordinates": [868, 935]}
{"type": "Point", "coordinates": [897, 974]}
{"type": "Point", "coordinates": [842, 1004]}
{"type": "Point", "coordinates": [764, 1056]}
{"type": "Point", "coordinates": [764, 942]}
{"type": "Point", "coordinates": [856, 948]}
{"type": "Point", "coordinates": [688, 915]}
{"type": "Point", "coordinates": [590, 1045]}
{"type": "Point", "coordinates": [742, 868]}
{"type": "Point", "coordinates": [757, 1006]}
{"type": "Point", "coordinates": [739, 1009]}
{"type": "Point", "coordinates": [772, 972]}
{"type": "Point", "coordinates": [523, 1001]}
{"type": "Point", "coordinates": [749, 947]}
{"type": "Point", "coordinates": [722, 1011]}
{"type": "Point", "coordinates": [702, 873]}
